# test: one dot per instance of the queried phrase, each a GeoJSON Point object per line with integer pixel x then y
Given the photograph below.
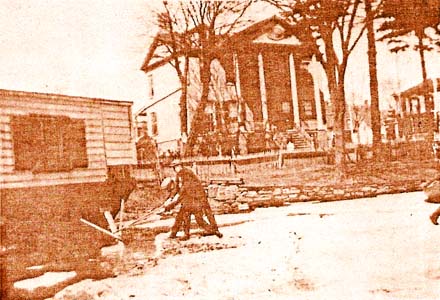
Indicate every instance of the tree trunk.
{"type": "Point", "coordinates": [429, 105]}
{"type": "Point", "coordinates": [339, 128]}
{"type": "Point", "coordinates": [337, 97]}
{"type": "Point", "coordinates": [374, 90]}
{"type": "Point", "coordinates": [183, 99]}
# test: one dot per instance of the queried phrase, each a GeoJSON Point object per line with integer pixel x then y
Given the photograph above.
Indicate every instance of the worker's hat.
{"type": "Point", "coordinates": [176, 162]}
{"type": "Point", "coordinates": [166, 183]}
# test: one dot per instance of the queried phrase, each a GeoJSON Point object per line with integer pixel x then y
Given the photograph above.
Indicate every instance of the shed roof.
{"type": "Point", "coordinates": [19, 94]}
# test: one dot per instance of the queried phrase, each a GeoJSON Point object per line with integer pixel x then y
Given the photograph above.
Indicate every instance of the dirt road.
{"type": "Point", "coordinates": [379, 248]}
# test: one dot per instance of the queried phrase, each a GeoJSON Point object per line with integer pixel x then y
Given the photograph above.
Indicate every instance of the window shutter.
{"type": "Point", "coordinates": [27, 137]}
{"type": "Point", "coordinates": [76, 143]}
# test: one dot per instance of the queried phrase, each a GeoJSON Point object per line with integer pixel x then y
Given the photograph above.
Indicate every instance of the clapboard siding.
{"type": "Point", "coordinates": [114, 161]}
{"type": "Point", "coordinates": [125, 131]}
{"type": "Point", "coordinates": [118, 132]}
{"type": "Point", "coordinates": [108, 134]}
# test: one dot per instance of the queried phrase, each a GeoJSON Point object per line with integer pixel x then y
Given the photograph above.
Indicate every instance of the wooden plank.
{"type": "Point", "coordinates": [121, 214]}
{"type": "Point", "coordinates": [27, 184]}
{"type": "Point", "coordinates": [98, 164]}
{"type": "Point", "coordinates": [7, 158]}
{"type": "Point", "coordinates": [117, 138]}
{"type": "Point", "coordinates": [68, 113]}
{"type": "Point", "coordinates": [113, 108]}
{"type": "Point", "coordinates": [118, 123]}
{"type": "Point", "coordinates": [95, 150]}
{"type": "Point", "coordinates": [51, 98]}
{"type": "Point", "coordinates": [4, 119]}
{"type": "Point", "coordinates": [61, 105]}
{"type": "Point", "coordinates": [101, 229]}
{"type": "Point", "coordinates": [121, 161]}
{"type": "Point", "coordinates": [110, 116]}
{"type": "Point", "coordinates": [6, 145]}
{"type": "Point", "coordinates": [111, 222]}
{"type": "Point", "coordinates": [119, 146]}
{"type": "Point", "coordinates": [94, 130]}
{"type": "Point", "coordinates": [112, 130]}
{"type": "Point", "coordinates": [119, 153]}
{"type": "Point", "coordinates": [6, 169]}
{"type": "Point", "coordinates": [95, 143]}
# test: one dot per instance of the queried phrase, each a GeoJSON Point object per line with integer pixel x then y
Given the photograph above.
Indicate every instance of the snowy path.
{"type": "Point", "coordinates": [379, 248]}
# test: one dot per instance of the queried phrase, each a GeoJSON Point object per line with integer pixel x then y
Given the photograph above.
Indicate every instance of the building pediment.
{"type": "Point", "coordinates": [277, 38]}
{"type": "Point", "coordinates": [273, 31]}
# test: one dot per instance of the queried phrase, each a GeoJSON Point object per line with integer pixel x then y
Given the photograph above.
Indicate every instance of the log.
{"type": "Point", "coordinates": [110, 221]}
{"type": "Point", "coordinates": [101, 229]}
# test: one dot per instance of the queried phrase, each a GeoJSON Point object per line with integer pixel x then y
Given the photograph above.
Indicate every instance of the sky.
{"type": "Point", "coordinates": [96, 48]}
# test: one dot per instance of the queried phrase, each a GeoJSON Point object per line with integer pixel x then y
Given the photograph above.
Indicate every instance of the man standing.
{"type": "Point", "coordinates": [193, 198]}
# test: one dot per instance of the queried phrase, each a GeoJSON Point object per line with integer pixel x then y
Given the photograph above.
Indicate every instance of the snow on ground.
{"type": "Point", "coordinates": [47, 279]}
{"type": "Point", "coordinates": [377, 248]}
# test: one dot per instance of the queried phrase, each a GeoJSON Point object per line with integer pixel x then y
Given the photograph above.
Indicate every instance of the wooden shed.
{"type": "Point", "coordinates": [62, 158]}
{"type": "Point", "coordinates": [51, 139]}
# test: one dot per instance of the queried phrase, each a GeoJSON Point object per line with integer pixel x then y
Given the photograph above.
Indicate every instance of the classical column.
{"type": "Point", "coordinates": [294, 91]}
{"type": "Point", "coordinates": [435, 94]}
{"type": "Point", "coordinates": [422, 103]}
{"type": "Point", "coordinates": [237, 87]}
{"type": "Point", "coordinates": [314, 69]}
{"type": "Point", "coordinates": [237, 74]}
{"type": "Point", "coordinates": [262, 88]}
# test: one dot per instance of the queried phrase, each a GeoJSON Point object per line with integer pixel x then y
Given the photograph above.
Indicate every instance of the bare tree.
{"type": "Point", "coordinates": [196, 28]}
{"type": "Point", "coordinates": [329, 28]}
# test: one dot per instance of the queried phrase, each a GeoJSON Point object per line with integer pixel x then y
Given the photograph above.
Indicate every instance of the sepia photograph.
{"type": "Point", "coordinates": [220, 149]}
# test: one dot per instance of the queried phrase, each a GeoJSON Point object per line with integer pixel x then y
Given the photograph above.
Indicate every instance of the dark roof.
{"type": "Point", "coordinates": [249, 33]}
{"type": "Point", "coordinates": [420, 88]}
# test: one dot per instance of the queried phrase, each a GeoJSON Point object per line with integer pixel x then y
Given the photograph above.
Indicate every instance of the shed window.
{"type": "Point", "coordinates": [150, 86]}
{"type": "Point", "coordinates": [45, 143]}
{"type": "Point", "coordinates": [154, 127]}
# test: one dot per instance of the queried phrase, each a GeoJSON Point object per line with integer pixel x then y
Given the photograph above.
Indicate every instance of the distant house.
{"type": "Point", "coordinates": [273, 77]}
{"type": "Point", "coordinates": [415, 113]}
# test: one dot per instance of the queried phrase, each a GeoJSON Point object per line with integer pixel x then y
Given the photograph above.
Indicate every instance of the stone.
{"type": "Point", "coordinates": [226, 193]}
{"type": "Point", "coordinates": [252, 194]}
{"type": "Point", "coordinates": [243, 207]}
{"type": "Point", "coordinates": [303, 197]}
{"type": "Point", "coordinates": [338, 192]}
{"type": "Point", "coordinates": [212, 190]}
{"type": "Point", "coordinates": [265, 192]}
{"type": "Point", "coordinates": [277, 192]}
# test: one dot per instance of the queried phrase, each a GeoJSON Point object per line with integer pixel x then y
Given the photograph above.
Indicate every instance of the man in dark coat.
{"type": "Point", "coordinates": [434, 217]}
{"type": "Point", "coordinates": [193, 200]}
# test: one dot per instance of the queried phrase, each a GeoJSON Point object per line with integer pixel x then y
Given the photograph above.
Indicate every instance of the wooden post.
{"type": "Point", "coordinates": [121, 213]}
{"type": "Point", "coordinates": [110, 221]}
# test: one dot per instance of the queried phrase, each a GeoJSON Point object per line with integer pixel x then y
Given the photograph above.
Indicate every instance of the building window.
{"type": "Point", "coordinates": [150, 86]}
{"type": "Point", "coordinates": [285, 107]}
{"type": "Point", "coordinates": [309, 111]}
{"type": "Point", "coordinates": [154, 128]}
{"type": "Point", "coordinates": [45, 143]}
